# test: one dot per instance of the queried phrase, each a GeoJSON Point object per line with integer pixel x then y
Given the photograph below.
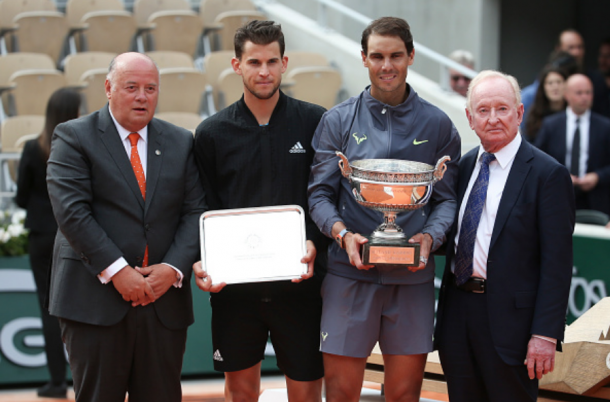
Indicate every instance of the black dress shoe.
{"type": "Point", "coordinates": [50, 390]}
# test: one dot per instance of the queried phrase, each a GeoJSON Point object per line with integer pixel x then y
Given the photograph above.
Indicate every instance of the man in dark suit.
{"type": "Point", "coordinates": [505, 288]}
{"type": "Point", "coordinates": [126, 195]}
{"type": "Point", "coordinates": [588, 159]}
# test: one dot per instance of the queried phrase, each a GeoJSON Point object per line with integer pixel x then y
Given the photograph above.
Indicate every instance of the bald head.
{"type": "Point", "coordinates": [125, 59]}
{"type": "Point", "coordinates": [132, 89]}
{"type": "Point", "coordinates": [579, 93]}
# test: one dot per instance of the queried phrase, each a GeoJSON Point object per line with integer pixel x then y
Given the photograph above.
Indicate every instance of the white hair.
{"type": "Point", "coordinates": [487, 74]}
{"type": "Point", "coordinates": [464, 57]}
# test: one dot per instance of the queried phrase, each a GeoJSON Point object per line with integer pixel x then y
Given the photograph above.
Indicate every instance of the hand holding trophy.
{"type": "Point", "coordinates": [391, 186]}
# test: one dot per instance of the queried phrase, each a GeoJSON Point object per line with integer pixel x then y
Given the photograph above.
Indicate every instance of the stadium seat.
{"type": "Point", "coordinates": [230, 88]}
{"type": "Point", "coordinates": [143, 9]}
{"type": "Point", "coordinates": [94, 93]}
{"type": "Point", "coordinates": [13, 133]}
{"type": "Point", "coordinates": [13, 62]}
{"type": "Point", "coordinates": [190, 121]}
{"type": "Point", "coordinates": [76, 9]}
{"type": "Point", "coordinates": [319, 85]}
{"type": "Point", "coordinates": [230, 21]}
{"type": "Point", "coordinates": [32, 90]}
{"type": "Point", "coordinates": [8, 10]}
{"type": "Point", "coordinates": [16, 127]}
{"type": "Point", "coordinates": [183, 90]}
{"type": "Point", "coordinates": [76, 65]}
{"type": "Point", "coordinates": [42, 32]}
{"type": "Point", "coordinates": [108, 31]}
{"type": "Point", "coordinates": [304, 59]}
{"type": "Point", "coordinates": [215, 63]}
{"type": "Point", "coordinates": [210, 9]}
{"type": "Point", "coordinates": [178, 30]}
{"type": "Point", "coordinates": [592, 217]}
{"type": "Point", "coordinates": [170, 58]}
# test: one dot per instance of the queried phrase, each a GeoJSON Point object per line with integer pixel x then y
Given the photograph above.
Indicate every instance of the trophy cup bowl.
{"type": "Point", "coordinates": [391, 186]}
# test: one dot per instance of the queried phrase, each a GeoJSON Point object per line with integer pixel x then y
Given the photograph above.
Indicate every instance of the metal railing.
{"type": "Point", "coordinates": [444, 62]}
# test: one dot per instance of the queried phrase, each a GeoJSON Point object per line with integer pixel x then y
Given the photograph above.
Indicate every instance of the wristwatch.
{"type": "Point", "coordinates": [340, 237]}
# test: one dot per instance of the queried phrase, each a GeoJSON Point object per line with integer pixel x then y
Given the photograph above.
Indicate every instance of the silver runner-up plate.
{"type": "Point", "coordinates": [253, 244]}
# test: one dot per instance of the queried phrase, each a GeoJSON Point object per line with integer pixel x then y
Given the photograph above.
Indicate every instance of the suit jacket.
{"type": "Point", "coordinates": [529, 265]}
{"type": "Point", "coordinates": [552, 140]}
{"type": "Point", "coordinates": [32, 192]}
{"type": "Point", "coordinates": [102, 216]}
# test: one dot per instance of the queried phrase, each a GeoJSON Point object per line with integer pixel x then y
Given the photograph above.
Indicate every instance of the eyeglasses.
{"type": "Point", "coordinates": [456, 78]}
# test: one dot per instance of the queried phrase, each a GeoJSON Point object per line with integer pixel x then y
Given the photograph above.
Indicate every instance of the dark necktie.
{"type": "Point", "coordinates": [575, 160]}
{"type": "Point", "coordinates": [470, 222]}
{"type": "Point", "coordinates": [136, 164]}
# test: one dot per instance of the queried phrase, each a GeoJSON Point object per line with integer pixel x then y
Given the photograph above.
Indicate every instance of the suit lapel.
{"type": "Point", "coordinates": [112, 141]}
{"type": "Point", "coordinates": [154, 160]}
{"type": "Point", "coordinates": [512, 189]}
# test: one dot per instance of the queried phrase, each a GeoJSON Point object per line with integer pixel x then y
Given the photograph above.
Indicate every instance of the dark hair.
{"type": "Point", "coordinates": [541, 107]}
{"type": "Point", "coordinates": [564, 61]}
{"type": "Point", "coordinates": [260, 33]}
{"type": "Point", "coordinates": [63, 105]}
{"type": "Point", "coordinates": [388, 26]}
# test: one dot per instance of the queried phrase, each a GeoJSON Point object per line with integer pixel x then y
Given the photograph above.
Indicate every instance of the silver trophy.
{"type": "Point", "coordinates": [391, 186]}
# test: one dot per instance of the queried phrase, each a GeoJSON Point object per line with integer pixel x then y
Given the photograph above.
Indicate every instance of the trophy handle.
{"type": "Point", "coordinates": [441, 168]}
{"type": "Point", "coordinates": [346, 169]}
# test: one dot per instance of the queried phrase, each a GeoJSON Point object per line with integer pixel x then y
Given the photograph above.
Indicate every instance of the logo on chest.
{"type": "Point", "coordinates": [297, 148]}
{"type": "Point", "coordinates": [359, 137]}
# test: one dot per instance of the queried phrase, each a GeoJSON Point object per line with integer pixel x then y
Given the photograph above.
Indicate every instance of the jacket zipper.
{"type": "Point", "coordinates": [386, 112]}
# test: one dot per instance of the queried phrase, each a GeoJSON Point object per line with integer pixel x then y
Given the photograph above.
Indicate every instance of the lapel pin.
{"type": "Point", "coordinates": [157, 152]}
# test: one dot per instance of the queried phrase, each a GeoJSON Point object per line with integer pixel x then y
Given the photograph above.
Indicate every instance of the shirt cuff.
{"type": "Point", "coordinates": [178, 283]}
{"type": "Point", "coordinates": [106, 275]}
{"type": "Point", "coordinates": [546, 338]}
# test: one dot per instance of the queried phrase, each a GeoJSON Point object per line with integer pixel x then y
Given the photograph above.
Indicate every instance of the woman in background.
{"type": "Point", "coordinates": [32, 195]}
{"type": "Point", "coordinates": [549, 99]}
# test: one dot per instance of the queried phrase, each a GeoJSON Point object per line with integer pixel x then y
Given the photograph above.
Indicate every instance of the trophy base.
{"type": "Point", "coordinates": [381, 252]}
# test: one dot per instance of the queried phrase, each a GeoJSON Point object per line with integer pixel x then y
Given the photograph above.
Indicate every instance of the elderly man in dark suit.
{"type": "Point", "coordinates": [126, 195]}
{"type": "Point", "coordinates": [579, 138]}
{"type": "Point", "coordinates": [505, 288]}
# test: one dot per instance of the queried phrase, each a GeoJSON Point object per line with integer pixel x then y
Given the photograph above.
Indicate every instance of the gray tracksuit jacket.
{"type": "Point", "coordinates": [364, 128]}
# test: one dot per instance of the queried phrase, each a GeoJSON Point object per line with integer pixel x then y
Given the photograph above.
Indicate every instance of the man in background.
{"type": "Point", "coordinates": [579, 139]}
{"type": "Point", "coordinates": [458, 81]}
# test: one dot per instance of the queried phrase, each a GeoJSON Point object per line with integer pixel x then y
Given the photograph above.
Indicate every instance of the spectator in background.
{"type": "Point", "coordinates": [458, 81]}
{"type": "Point", "coordinates": [549, 99]}
{"type": "Point", "coordinates": [603, 60]}
{"type": "Point", "coordinates": [558, 58]}
{"type": "Point", "coordinates": [572, 42]}
{"type": "Point", "coordinates": [32, 195]}
{"type": "Point", "coordinates": [580, 140]}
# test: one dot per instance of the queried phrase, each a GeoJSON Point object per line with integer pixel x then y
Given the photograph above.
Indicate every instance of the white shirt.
{"type": "Point", "coordinates": [106, 275]}
{"type": "Point", "coordinates": [498, 173]}
{"type": "Point", "coordinates": [583, 123]}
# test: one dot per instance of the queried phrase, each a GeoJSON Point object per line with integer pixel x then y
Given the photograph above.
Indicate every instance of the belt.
{"type": "Point", "coordinates": [473, 285]}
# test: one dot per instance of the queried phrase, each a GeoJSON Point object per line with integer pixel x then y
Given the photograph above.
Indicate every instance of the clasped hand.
{"type": "Point", "coordinates": [142, 286]}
